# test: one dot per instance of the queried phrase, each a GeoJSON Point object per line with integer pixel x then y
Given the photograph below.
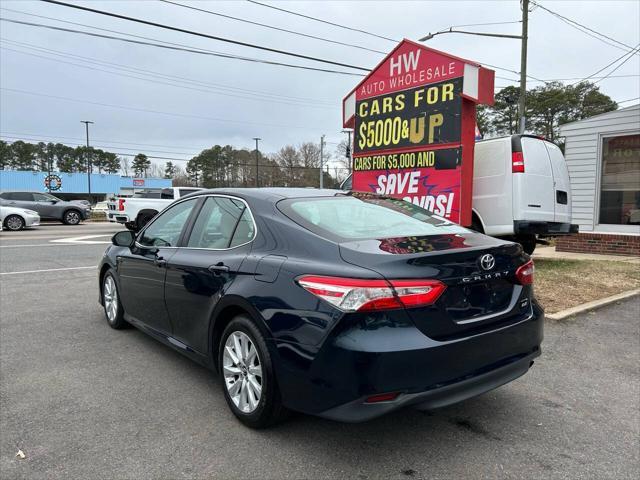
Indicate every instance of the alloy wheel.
{"type": "Point", "coordinates": [72, 218]}
{"type": "Point", "coordinates": [110, 295]}
{"type": "Point", "coordinates": [242, 371]}
{"type": "Point", "coordinates": [14, 223]}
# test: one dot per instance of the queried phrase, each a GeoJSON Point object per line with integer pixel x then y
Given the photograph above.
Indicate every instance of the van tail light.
{"type": "Point", "coordinates": [517, 162]}
{"type": "Point", "coordinates": [524, 273]}
{"type": "Point", "coordinates": [354, 294]}
{"type": "Point", "coordinates": [121, 204]}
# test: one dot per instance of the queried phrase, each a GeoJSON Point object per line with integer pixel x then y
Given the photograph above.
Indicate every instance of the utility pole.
{"type": "Point", "coordinates": [523, 55]}
{"type": "Point", "coordinates": [257, 158]}
{"type": "Point", "coordinates": [86, 124]}
{"type": "Point", "coordinates": [523, 66]}
{"type": "Point", "coordinates": [348, 152]}
{"type": "Point", "coordinates": [321, 161]}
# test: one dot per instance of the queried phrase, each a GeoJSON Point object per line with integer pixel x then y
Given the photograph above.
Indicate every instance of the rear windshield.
{"type": "Point", "coordinates": [364, 216]}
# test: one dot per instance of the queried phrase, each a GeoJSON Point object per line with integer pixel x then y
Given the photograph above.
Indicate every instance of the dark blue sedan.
{"type": "Point", "coordinates": [342, 305]}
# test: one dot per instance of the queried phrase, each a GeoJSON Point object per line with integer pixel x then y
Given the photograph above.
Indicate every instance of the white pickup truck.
{"type": "Point", "coordinates": [136, 211]}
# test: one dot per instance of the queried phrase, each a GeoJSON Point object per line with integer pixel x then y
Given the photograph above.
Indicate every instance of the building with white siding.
{"type": "Point", "coordinates": [603, 158]}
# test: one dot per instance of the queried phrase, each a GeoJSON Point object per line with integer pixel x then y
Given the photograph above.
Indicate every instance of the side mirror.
{"type": "Point", "coordinates": [125, 238]}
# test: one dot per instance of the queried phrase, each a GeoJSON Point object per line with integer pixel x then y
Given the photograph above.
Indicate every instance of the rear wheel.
{"type": "Point", "coordinates": [248, 379]}
{"type": "Point", "coordinates": [528, 243]}
{"type": "Point", "coordinates": [71, 217]}
{"type": "Point", "coordinates": [14, 222]}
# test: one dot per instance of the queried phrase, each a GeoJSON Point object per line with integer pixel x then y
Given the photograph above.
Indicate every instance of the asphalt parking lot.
{"type": "Point", "coordinates": [84, 401]}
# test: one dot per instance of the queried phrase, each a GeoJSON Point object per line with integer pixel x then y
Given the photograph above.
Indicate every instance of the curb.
{"type": "Point", "coordinates": [585, 307]}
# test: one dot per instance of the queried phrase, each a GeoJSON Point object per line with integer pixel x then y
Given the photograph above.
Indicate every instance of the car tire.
{"type": "Point", "coordinates": [111, 303]}
{"type": "Point", "coordinates": [71, 217]}
{"type": "Point", "coordinates": [248, 379]}
{"type": "Point", "coordinates": [14, 222]}
{"type": "Point", "coordinates": [528, 243]}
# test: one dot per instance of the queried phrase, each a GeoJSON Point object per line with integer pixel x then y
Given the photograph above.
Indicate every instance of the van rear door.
{"type": "Point", "coordinates": [561, 182]}
{"type": "Point", "coordinates": [533, 190]}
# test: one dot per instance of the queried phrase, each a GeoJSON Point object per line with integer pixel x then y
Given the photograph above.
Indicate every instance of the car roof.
{"type": "Point", "coordinates": [271, 192]}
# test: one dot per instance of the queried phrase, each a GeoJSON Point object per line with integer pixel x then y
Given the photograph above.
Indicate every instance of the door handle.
{"type": "Point", "coordinates": [218, 268]}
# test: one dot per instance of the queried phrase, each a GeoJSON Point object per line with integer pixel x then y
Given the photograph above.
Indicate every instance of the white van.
{"type": "Point", "coordinates": [521, 189]}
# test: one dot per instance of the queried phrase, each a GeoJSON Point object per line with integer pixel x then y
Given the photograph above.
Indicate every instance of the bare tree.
{"type": "Point", "coordinates": [124, 166]}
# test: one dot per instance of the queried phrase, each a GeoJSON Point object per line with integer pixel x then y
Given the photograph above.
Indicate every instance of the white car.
{"type": "Point", "coordinates": [13, 218]}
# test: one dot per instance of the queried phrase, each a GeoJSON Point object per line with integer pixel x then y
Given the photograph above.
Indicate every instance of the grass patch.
{"type": "Point", "coordinates": [562, 284]}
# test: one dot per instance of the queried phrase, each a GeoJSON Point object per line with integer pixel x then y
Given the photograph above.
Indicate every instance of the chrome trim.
{"type": "Point", "coordinates": [517, 290]}
{"type": "Point", "coordinates": [195, 197]}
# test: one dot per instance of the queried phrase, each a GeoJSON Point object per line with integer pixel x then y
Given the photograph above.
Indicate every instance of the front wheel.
{"type": "Point", "coordinates": [248, 379]}
{"type": "Point", "coordinates": [14, 222]}
{"type": "Point", "coordinates": [111, 302]}
{"type": "Point", "coordinates": [71, 217]}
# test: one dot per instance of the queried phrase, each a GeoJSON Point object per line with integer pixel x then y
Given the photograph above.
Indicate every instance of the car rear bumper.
{"type": "Point", "coordinates": [362, 361]}
{"type": "Point", "coordinates": [360, 410]}
{"type": "Point", "coordinates": [526, 227]}
{"type": "Point", "coordinates": [31, 221]}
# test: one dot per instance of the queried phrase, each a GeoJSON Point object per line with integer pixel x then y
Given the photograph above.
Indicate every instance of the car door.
{"type": "Point", "coordinates": [201, 271]}
{"type": "Point", "coordinates": [46, 205]}
{"type": "Point", "coordinates": [561, 183]}
{"type": "Point", "coordinates": [142, 271]}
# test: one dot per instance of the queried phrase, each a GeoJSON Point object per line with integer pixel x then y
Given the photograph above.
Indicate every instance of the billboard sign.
{"type": "Point", "coordinates": [414, 128]}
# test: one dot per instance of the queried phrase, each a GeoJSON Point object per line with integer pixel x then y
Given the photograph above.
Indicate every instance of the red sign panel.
{"type": "Point", "coordinates": [138, 182]}
{"type": "Point", "coordinates": [414, 128]}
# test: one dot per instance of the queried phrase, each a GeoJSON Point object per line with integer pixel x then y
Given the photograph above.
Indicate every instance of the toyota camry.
{"type": "Point", "coordinates": [342, 305]}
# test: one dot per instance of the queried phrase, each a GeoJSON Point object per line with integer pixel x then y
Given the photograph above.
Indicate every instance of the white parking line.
{"type": "Point", "coordinates": [83, 240]}
{"type": "Point", "coordinates": [48, 270]}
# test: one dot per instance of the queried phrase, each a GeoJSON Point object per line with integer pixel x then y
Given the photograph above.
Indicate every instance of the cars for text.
{"type": "Point", "coordinates": [48, 206]}
{"type": "Point", "coordinates": [342, 305]}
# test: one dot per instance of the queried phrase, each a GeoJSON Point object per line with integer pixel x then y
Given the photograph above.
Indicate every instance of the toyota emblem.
{"type": "Point", "coordinates": [487, 261]}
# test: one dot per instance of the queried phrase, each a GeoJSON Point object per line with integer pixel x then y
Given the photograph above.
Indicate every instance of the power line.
{"type": "Point", "coordinates": [210, 12]}
{"type": "Point", "coordinates": [204, 35]}
{"type": "Point", "coordinates": [218, 85]}
{"type": "Point", "coordinates": [158, 112]}
{"type": "Point", "coordinates": [618, 66]}
{"type": "Point", "coordinates": [169, 82]}
{"type": "Point", "coordinates": [585, 29]}
{"type": "Point", "coordinates": [183, 49]}
{"type": "Point", "coordinates": [629, 100]}
{"type": "Point", "coordinates": [324, 21]}
{"type": "Point", "coordinates": [607, 66]}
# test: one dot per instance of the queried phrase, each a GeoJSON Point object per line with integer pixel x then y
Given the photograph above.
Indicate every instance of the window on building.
{"type": "Point", "coordinates": [620, 184]}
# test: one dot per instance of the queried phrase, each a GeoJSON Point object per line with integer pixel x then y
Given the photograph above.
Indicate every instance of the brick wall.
{"type": "Point", "coordinates": [609, 244]}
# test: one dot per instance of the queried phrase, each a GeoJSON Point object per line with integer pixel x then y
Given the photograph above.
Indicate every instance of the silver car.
{"type": "Point", "coordinates": [47, 206]}
{"type": "Point", "coordinates": [12, 218]}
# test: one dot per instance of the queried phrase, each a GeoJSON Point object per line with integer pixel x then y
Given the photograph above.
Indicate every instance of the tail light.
{"type": "Point", "coordinates": [353, 294]}
{"type": "Point", "coordinates": [524, 273]}
{"type": "Point", "coordinates": [121, 204]}
{"type": "Point", "coordinates": [517, 162]}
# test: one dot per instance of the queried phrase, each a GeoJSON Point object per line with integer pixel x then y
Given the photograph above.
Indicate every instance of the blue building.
{"type": "Point", "coordinates": [70, 186]}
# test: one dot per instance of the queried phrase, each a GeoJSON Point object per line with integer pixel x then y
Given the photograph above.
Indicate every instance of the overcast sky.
{"type": "Point", "coordinates": [228, 101]}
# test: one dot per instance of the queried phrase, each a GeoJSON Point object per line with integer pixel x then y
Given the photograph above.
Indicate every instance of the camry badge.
{"type": "Point", "coordinates": [487, 261]}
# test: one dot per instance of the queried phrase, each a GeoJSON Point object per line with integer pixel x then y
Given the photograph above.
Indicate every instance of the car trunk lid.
{"type": "Point", "coordinates": [479, 272]}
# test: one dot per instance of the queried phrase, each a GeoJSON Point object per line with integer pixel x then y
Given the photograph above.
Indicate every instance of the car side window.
{"type": "Point", "coordinates": [166, 229]}
{"type": "Point", "coordinates": [216, 223]}
{"type": "Point", "coordinates": [244, 231]}
{"type": "Point", "coordinates": [38, 197]}
{"type": "Point", "coordinates": [185, 192]}
{"type": "Point", "coordinates": [22, 196]}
